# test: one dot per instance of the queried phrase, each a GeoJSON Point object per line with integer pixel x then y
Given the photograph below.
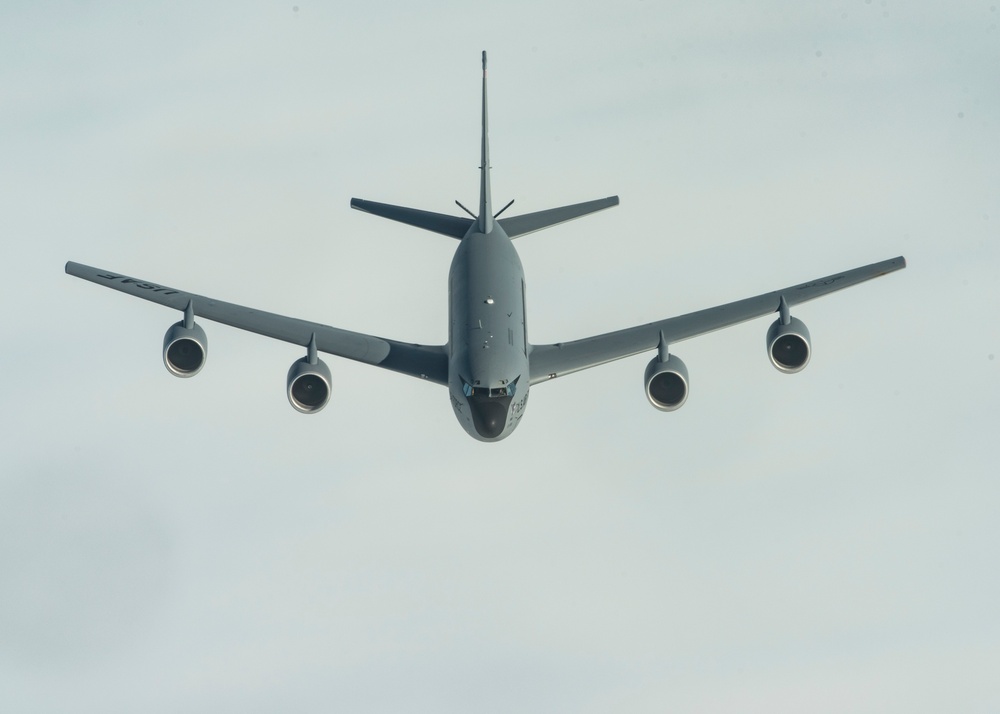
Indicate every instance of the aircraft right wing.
{"type": "Point", "coordinates": [424, 361]}
{"type": "Point", "coordinates": [550, 361]}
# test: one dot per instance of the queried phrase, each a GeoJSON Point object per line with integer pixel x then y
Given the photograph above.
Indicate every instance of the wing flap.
{"type": "Point", "coordinates": [424, 361]}
{"type": "Point", "coordinates": [550, 361]}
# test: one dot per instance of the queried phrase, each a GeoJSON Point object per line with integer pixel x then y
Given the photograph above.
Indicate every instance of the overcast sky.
{"type": "Point", "coordinates": [821, 542]}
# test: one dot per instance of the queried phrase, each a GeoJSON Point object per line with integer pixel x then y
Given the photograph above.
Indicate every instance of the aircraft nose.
{"type": "Point", "coordinates": [489, 416]}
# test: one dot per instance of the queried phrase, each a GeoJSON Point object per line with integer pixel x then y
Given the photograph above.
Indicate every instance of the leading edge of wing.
{"type": "Point", "coordinates": [550, 361]}
{"type": "Point", "coordinates": [423, 361]}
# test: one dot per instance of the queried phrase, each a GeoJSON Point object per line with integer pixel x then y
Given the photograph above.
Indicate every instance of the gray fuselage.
{"type": "Point", "coordinates": [487, 337]}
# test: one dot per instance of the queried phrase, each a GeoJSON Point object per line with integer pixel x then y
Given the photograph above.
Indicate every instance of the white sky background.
{"type": "Point", "coordinates": [821, 542]}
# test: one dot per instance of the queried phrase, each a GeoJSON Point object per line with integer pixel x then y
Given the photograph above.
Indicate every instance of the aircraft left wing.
{"type": "Point", "coordinates": [423, 361]}
{"type": "Point", "coordinates": [549, 361]}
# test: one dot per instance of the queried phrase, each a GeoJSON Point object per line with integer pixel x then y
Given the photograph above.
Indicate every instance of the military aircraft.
{"type": "Point", "coordinates": [488, 363]}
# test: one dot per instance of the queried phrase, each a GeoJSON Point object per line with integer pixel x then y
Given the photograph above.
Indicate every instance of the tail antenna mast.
{"type": "Point", "coordinates": [509, 204]}
{"type": "Point", "coordinates": [459, 204]}
{"type": "Point", "coordinates": [475, 217]}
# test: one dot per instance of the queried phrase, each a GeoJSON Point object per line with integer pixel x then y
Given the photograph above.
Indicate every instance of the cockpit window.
{"type": "Point", "coordinates": [506, 390]}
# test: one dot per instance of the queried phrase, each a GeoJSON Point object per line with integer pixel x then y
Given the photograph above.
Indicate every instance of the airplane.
{"type": "Point", "coordinates": [488, 363]}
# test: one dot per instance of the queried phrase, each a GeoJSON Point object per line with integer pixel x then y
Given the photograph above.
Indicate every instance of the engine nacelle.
{"type": "Point", "coordinates": [667, 383]}
{"type": "Point", "coordinates": [309, 385]}
{"type": "Point", "coordinates": [788, 345]}
{"type": "Point", "coordinates": [185, 349]}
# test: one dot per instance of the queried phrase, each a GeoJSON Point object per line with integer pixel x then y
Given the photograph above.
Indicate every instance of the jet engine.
{"type": "Point", "coordinates": [185, 348]}
{"type": "Point", "coordinates": [666, 383]}
{"type": "Point", "coordinates": [788, 344]}
{"type": "Point", "coordinates": [309, 384]}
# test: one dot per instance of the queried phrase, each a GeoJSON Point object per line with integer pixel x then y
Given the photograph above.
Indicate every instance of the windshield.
{"type": "Point", "coordinates": [506, 390]}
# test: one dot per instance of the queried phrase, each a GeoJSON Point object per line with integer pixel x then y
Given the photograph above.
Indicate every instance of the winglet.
{"type": "Point", "coordinates": [485, 200]}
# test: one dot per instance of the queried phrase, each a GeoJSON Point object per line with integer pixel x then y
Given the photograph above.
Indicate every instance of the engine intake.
{"type": "Point", "coordinates": [185, 349]}
{"type": "Point", "coordinates": [667, 383]}
{"type": "Point", "coordinates": [788, 345]}
{"type": "Point", "coordinates": [309, 385]}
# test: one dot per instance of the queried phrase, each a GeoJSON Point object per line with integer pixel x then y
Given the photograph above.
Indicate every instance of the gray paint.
{"type": "Point", "coordinates": [487, 340]}
{"type": "Point", "coordinates": [488, 362]}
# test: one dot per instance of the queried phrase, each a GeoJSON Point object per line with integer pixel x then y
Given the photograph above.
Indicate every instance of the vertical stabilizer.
{"type": "Point", "coordinates": [485, 201]}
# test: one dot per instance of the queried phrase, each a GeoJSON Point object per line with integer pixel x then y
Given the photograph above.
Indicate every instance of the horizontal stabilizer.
{"type": "Point", "coordinates": [531, 222]}
{"type": "Point", "coordinates": [442, 223]}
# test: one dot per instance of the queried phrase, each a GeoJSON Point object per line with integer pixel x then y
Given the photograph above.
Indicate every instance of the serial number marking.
{"type": "Point", "coordinates": [819, 283]}
{"type": "Point", "coordinates": [138, 283]}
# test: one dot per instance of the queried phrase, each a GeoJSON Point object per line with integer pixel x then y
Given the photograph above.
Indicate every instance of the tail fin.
{"type": "Point", "coordinates": [485, 200]}
{"type": "Point", "coordinates": [458, 227]}
{"type": "Point", "coordinates": [528, 223]}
